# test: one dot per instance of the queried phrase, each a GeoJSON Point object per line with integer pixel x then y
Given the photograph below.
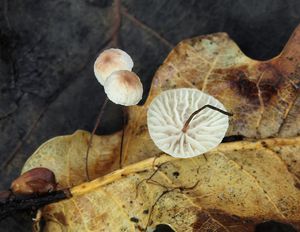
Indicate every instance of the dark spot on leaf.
{"type": "Point", "coordinates": [176, 174]}
{"type": "Point", "coordinates": [61, 218]}
{"type": "Point", "coordinates": [297, 185]}
{"type": "Point", "coordinates": [141, 130]}
{"type": "Point", "coordinates": [134, 219]}
{"type": "Point", "coordinates": [142, 171]}
{"type": "Point", "coordinates": [274, 226]}
{"type": "Point", "coordinates": [264, 144]}
{"type": "Point", "coordinates": [146, 211]}
{"type": "Point", "coordinates": [163, 228]}
{"type": "Point", "coordinates": [219, 217]}
{"type": "Point", "coordinates": [240, 82]}
{"type": "Point", "coordinates": [232, 138]}
{"type": "Point", "coordinates": [270, 82]}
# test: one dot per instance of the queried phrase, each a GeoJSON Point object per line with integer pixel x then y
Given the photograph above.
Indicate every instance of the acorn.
{"type": "Point", "coordinates": [35, 181]}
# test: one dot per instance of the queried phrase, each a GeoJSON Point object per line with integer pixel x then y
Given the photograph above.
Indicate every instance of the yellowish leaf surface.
{"type": "Point", "coordinates": [65, 156]}
{"type": "Point", "coordinates": [240, 184]}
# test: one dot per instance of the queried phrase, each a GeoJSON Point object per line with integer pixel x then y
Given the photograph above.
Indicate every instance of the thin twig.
{"type": "Point", "coordinates": [149, 179]}
{"type": "Point", "coordinates": [180, 188]}
{"type": "Point", "coordinates": [21, 203]}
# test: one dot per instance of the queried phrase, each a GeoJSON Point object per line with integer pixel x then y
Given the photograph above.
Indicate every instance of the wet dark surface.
{"type": "Point", "coordinates": [47, 49]}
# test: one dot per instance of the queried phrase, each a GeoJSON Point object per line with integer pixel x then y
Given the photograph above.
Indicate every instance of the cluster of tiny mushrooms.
{"type": "Point", "coordinates": [182, 122]}
{"type": "Point", "coordinates": [174, 121]}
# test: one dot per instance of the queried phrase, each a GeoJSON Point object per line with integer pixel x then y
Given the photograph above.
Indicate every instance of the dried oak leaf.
{"type": "Point", "coordinates": [262, 95]}
{"type": "Point", "coordinates": [241, 184]}
{"type": "Point", "coordinates": [65, 156]}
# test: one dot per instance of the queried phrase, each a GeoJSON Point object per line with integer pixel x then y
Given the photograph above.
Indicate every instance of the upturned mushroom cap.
{"type": "Point", "coordinates": [168, 113]}
{"type": "Point", "coordinates": [124, 88]}
{"type": "Point", "coordinates": [109, 61]}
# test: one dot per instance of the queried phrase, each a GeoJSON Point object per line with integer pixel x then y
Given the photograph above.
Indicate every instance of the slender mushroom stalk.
{"type": "Point", "coordinates": [112, 69]}
{"type": "Point", "coordinates": [107, 62]}
{"type": "Point", "coordinates": [186, 125]}
{"type": "Point", "coordinates": [91, 137]}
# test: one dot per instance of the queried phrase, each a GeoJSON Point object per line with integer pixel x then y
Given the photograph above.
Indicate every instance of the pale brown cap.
{"type": "Point", "coordinates": [109, 61]}
{"type": "Point", "coordinates": [124, 88]}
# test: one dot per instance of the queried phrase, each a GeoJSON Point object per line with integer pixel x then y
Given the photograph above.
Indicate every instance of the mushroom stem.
{"type": "Point", "coordinates": [124, 121]}
{"type": "Point", "coordinates": [91, 138]}
{"type": "Point", "coordinates": [186, 125]}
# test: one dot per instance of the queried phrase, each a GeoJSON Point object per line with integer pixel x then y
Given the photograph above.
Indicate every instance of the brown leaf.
{"type": "Point", "coordinates": [240, 185]}
{"type": "Point", "coordinates": [65, 156]}
{"type": "Point", "coordinates": [262, 95]}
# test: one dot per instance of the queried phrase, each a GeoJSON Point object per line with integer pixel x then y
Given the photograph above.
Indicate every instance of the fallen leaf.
{"type": "Point", "coordinates": [241, 184]}
{"type": "Point", "coordinates": [65, 156]}
{"type": "Point", "coordinates": [262, 95]}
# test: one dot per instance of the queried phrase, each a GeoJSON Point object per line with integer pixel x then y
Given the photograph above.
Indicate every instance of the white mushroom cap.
{"type": "Point", "coordinates": [124, 88]}
{"type": "Point", "coordinates": [109, 61]}
{"type": "Point", "coordinates": [168, 113]}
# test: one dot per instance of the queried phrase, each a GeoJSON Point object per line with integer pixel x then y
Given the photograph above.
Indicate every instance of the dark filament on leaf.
{"type": "Point", "coordinates": [168, 190]}
{"type": "Point", "coordinates": [91, 138]}
{"type": "Point", "coordinates": [186, 125]}
{"type": "Point", "coordinates": [124, 120]}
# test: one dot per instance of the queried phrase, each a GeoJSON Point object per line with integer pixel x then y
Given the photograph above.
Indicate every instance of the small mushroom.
{"type": "Point", "coordinates": [186, 122]}
{"type": "Point", "coordinates": [109, 61]}
{"type": "Point", "coordinates": [124, 88]}
{"type": "Point", "coordinates": [113, 70]}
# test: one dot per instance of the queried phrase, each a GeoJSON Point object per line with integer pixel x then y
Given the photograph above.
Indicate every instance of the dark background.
{"type": "Point", "coordinates": [47, 50]}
